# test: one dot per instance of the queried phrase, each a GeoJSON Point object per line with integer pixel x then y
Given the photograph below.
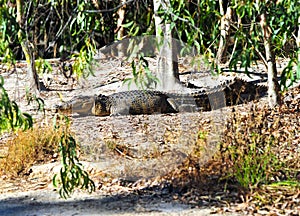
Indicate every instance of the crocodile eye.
{"type": "Point", "coordinates": [100, 106]}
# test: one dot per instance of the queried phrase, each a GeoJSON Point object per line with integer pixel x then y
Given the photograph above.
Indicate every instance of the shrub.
{"type": "Point", "coordinates": [254, 146]}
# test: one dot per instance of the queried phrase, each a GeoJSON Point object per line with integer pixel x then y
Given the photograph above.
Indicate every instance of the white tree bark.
{"type": "Point", "coordinates": [167, 67]}
{"type": "Point", "coordinates": [273, 86]}
{"type": "Point", "coordinates": [224, 32]}
{"type": "Point", "coordinates": [298, 43]}
{"type": "Point", "coordinates": [157, 19]}
{"type": "Point", "coordinates": [28, 50]}
{"type": "Point", "coordinates": [120, 29]}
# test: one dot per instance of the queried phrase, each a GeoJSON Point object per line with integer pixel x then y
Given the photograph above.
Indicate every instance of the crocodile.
{"type": "Point", "coordinates": [136, 102]}
{"type": "Point", "coordinates": [146, 102]}
{"type": "Point", "coordinates": [240, 91]}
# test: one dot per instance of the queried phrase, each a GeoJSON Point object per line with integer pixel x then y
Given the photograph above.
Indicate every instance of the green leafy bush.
{"type": "Point", "coordinates": [71, 174]}
{"type": "Point", "coordinates": [11, 117]}
{"type": "Point", "coordinates": [257, 147]}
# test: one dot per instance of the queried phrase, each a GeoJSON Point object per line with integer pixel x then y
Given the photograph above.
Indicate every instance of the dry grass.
{"type": "Point", "coordinates": [27, 148]}
{"type": "Point", "coordinates": [257, 170]}
{"type": "Point", "coordinates": [262, 146]}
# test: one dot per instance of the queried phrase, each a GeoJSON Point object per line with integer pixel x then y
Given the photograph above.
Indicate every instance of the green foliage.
{"type": "Point", "coordinates": [293, 184]}
{"type": "Point", "coordinates": [139, 19]}
{"type": "Point", "coordinates": [11, 117]}
{"type": "Point", "coordinates": [253, 164]}
{"type": "Point", "coordinates": [142, 76]}
{"type": "Point", "coordinates": [198, 24]}
{"type": "Point", "coordinates": [71, 174]}
{"type": "Point", "coordinates": [59, 28]}
{"type": "Point", "coordinates": [54, 29]}
{"type": "Point", "coordinates": [202, 135]}
{"type": "Point", "coordinates": [7, 23]}
{"type": "Point", "coordinates": [195, 23]}
{"type": "Point", "coordinates": [82, 65]}
{"type": "Point", "coordinates": [43, 66]}
{"type": "Point", "coordinates": [283, 21]}
{"type": "Point", "coordinates": [289, 74]}
{"type": "Point", "coordinates": [257, 146]}
{"type": "Point", "coordinates": [32, 98]}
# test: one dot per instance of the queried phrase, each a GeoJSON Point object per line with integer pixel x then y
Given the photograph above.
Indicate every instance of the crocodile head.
{"type": "Point", "coordinates": [81, 105]}
{"type": "Point", "coordinates": [101, 106]}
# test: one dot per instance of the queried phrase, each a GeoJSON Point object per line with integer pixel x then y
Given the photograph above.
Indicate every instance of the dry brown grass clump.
{"type": "Point", "coordinates": [256, 171]}
{"type": "Point", "coordinates": [263, 146]}
{"type": "Point", "coordinates": [27, 148]}
{"type": "Point", "coordinates": [261, 150]}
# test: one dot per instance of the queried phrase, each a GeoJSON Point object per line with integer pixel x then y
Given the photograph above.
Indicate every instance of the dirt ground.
{"type": "Point", "coordinates": [132, 185]}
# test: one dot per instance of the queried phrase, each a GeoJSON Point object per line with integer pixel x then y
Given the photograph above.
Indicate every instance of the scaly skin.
{"type": "Point", "coordinates": [148, 101]}
{"type": "Point", "coordinates": [134, 103]}
{"type": "Point", "coordinates": [81, 105]}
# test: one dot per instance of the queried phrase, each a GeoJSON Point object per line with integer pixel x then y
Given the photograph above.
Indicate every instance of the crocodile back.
{"type": "Point", "coordinates": [133, 102]}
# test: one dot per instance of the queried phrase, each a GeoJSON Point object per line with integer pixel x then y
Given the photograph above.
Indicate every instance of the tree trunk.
{"type": "Point", "coordinates": [224, 32]}
{"type": "Point", "coordinates": [167, 62]}
{"type": "Point", "coordinates": [273, 86]}
{"type": "Point", "coordinates": [28, 50]}
{"type": "Point", "coordinates": [120, 29]}
{"type": "Point", "coordinates": [157, 19]}
{"type": "Point", "coordinates": [298, 45]}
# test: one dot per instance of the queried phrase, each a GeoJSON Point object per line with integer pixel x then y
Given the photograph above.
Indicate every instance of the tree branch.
{"type": "Point", "coordinates": [109, 10]}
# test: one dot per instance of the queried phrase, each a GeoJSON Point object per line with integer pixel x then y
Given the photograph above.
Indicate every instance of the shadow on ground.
{"type": "Point", "coordinates": [190, 193]}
